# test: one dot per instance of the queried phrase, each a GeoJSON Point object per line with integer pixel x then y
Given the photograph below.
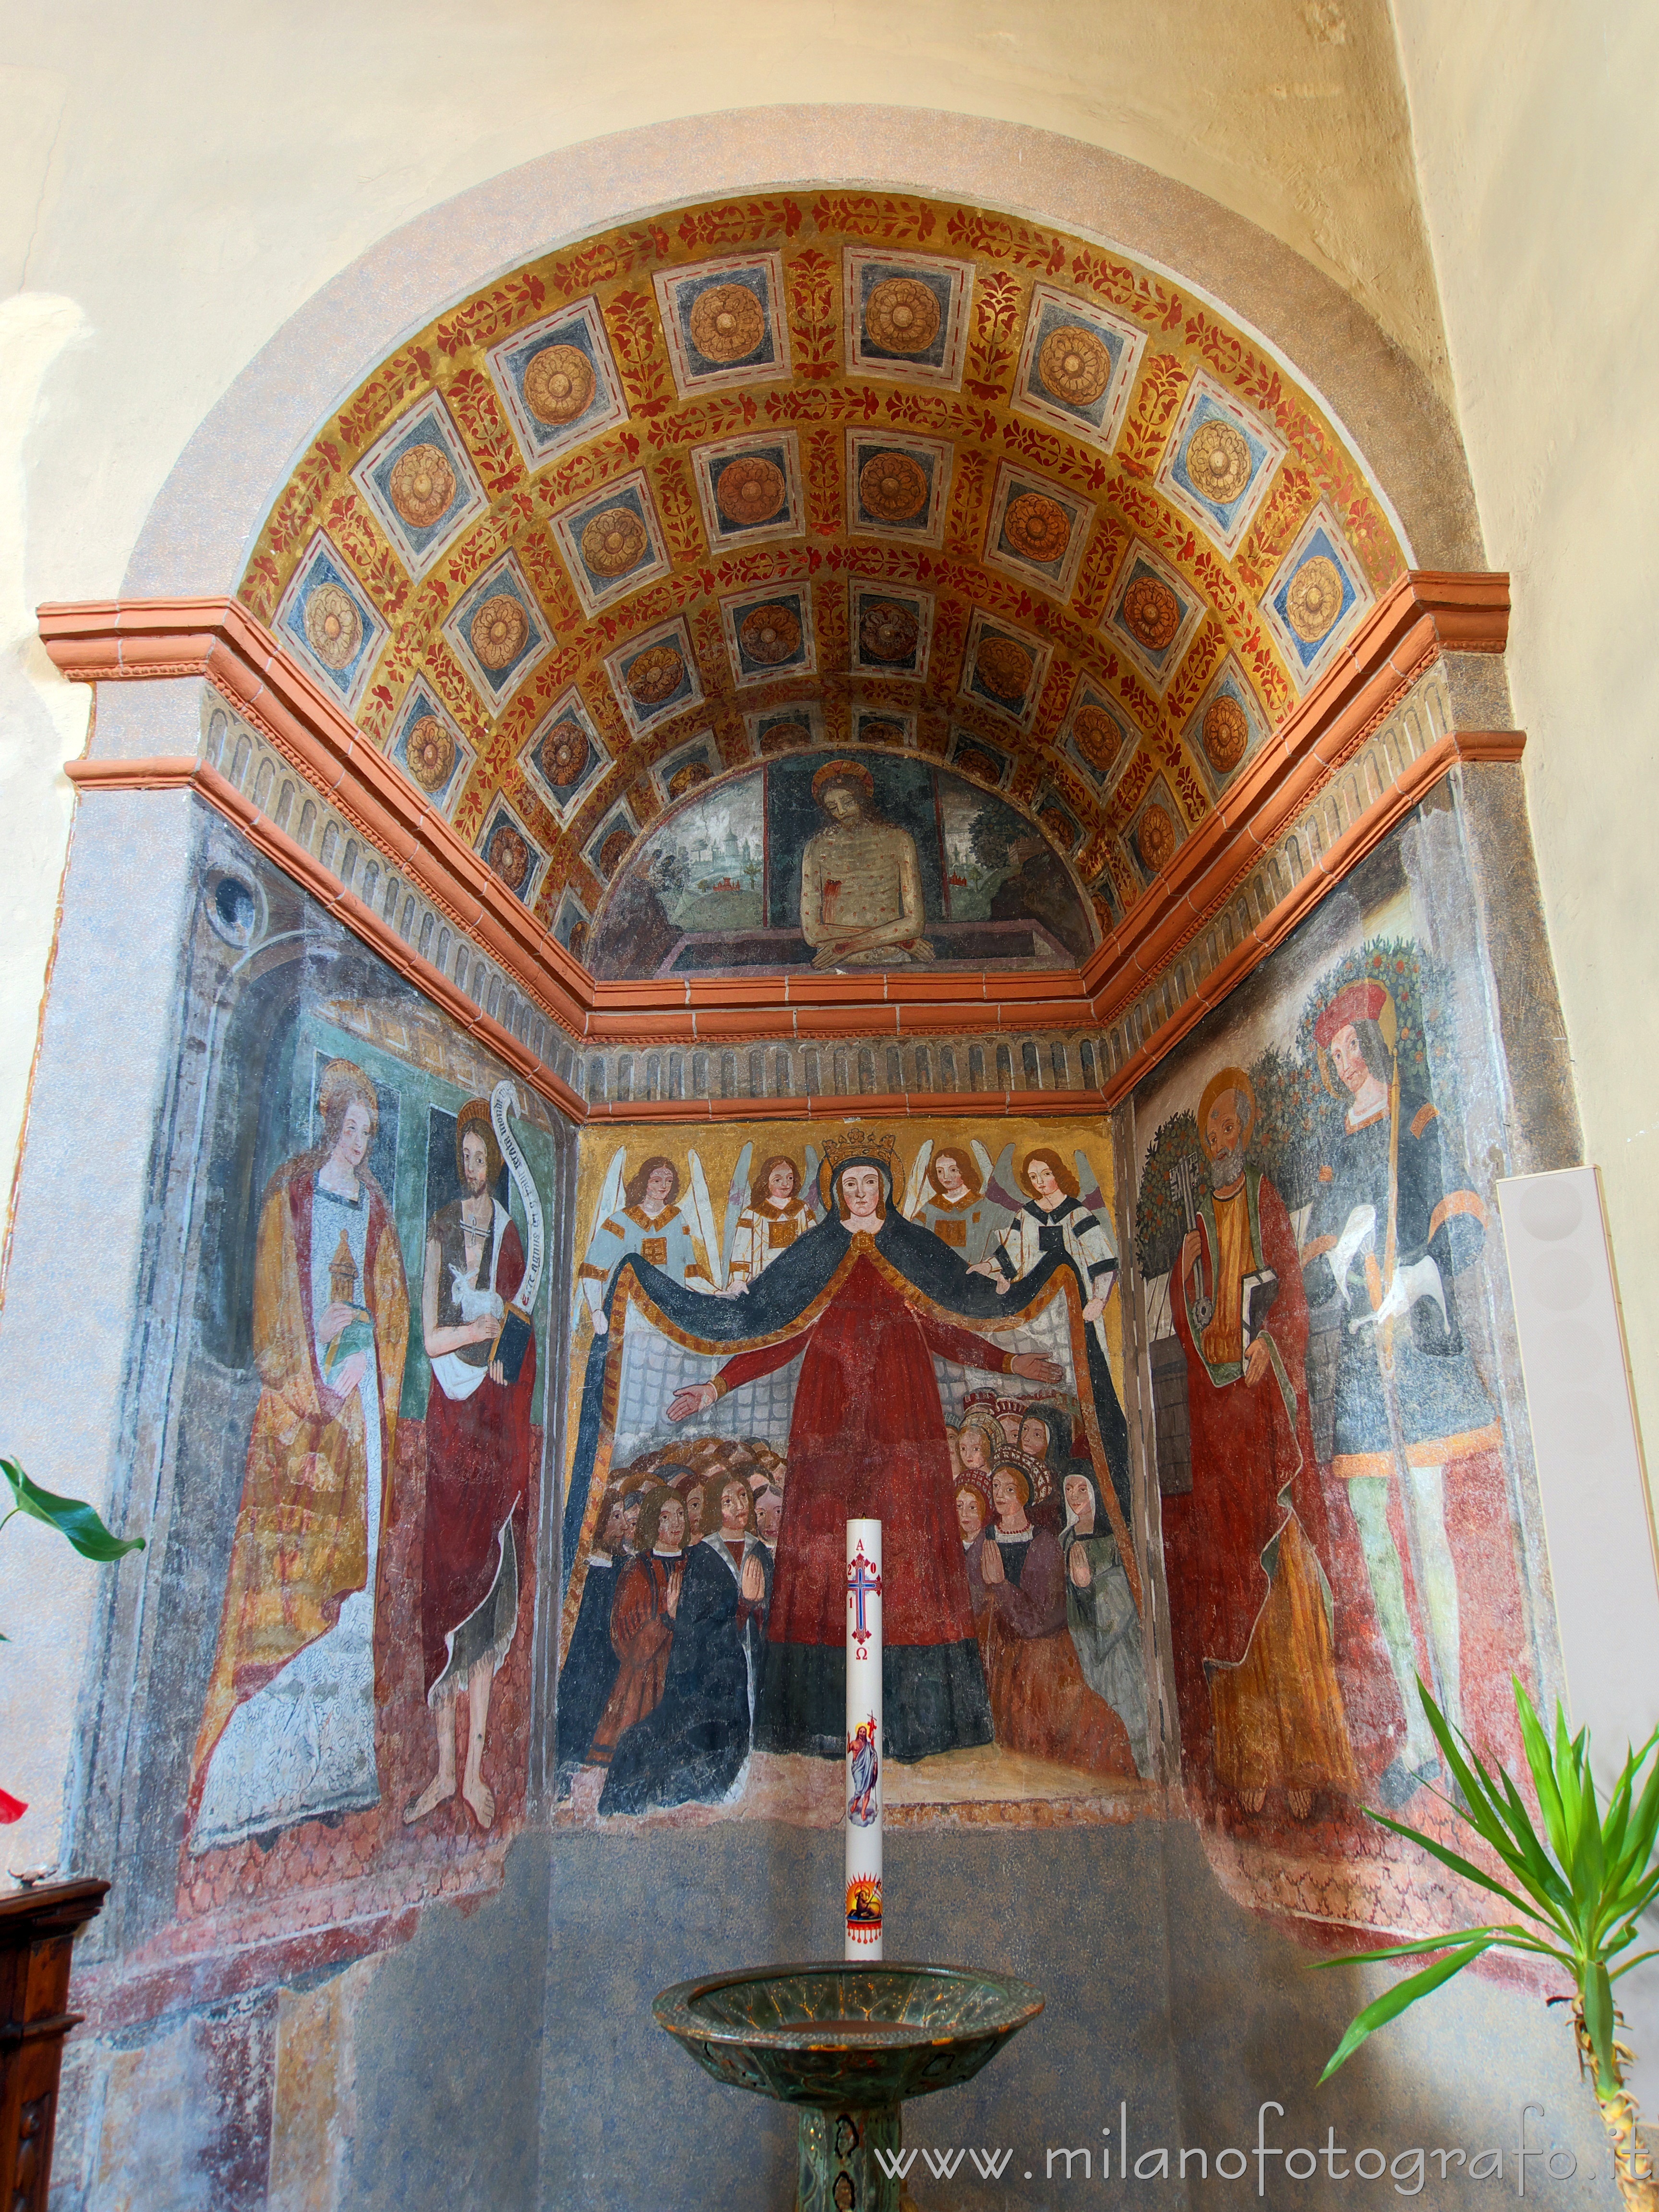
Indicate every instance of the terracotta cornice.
{"type": "Point", "coordinates": [169, 773]}
{"type": "Point", "coordinates": [127, 639]}
{"type": "Point", "coordinates": [1423, 615]}
{"type": "Point", "coordinates": [1502, 745]}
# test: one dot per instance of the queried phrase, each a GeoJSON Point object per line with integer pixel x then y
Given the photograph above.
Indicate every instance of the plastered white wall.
{"type": "Point", "coordinates": [1534, 131]}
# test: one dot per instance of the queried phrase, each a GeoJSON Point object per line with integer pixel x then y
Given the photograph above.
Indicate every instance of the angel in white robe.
{"type": "Point", "coordinates": [642, 1215]}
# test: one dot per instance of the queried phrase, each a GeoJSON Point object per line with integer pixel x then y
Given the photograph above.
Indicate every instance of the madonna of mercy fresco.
{"type": "Point", "coordinates": [849, 1363]}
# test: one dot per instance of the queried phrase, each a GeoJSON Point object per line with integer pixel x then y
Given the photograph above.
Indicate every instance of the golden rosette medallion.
{"type": "Point", "coordinates": [614, 542]}
{"type": "Point", "coordinates": [565, 754]}
{"type": "Point", "coordinates": [769, 634]}
{"type": "Point", "coordinates": [422, 485]}
{"type": "Point", "coordinates": [656, 674]}
{"type": "Point", "coordinates": [508, 855]}
{"type": "Point", "coordinates": [1153, 611]}
{"type": "Point", "coordinates": [727, 322]}
{"type": "Point", "coordinates": [879, 730]}
{"type": "Point", "coordinates": [902, 315]}
{"type": "Point", "coordinates": [894, 487]}
{"type": "Point", "coordinates": [750, 489]}
{"type": "Point", "coordinates": [1074, 364]}
{"type": "Point", "coordinates": [1219, 465]}
{"type": "Point", "coordinates": [781, 735]}
{"type": "Point", "coordinates": [888, 631]}
{"type": "Point", "coordinates": [1004, 667]}
{"type": "Point", "coordinates": [1156, 838]}
{"type": "Point", "coordinates": [688, 777]}
{"type": "Point", "coordinates": [1314, 598]}
{"type": "Point", "coordinates": [975, 762]}
{"type": "Point", "coordinates": [1058, 827]}
{"type": "Point", "coordinates": [334, 624]}
{"type": "Point", "coordinates": [1226, 732]}
{"type": "Point", "coordinates": [613, 852]}
{"type": "Point", "coordinates": [499, 630]}
{"type": "Point", "coordinates": [1098, 737]}
{"type": "Point", "coordinates": [430, 752]}
{"type": "Point", "coordinates": [1038, 526]}
{"type": "Point", "coordinates": [558, 384]}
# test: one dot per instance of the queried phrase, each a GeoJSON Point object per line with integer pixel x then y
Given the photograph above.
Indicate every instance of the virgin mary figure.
{"type": "Point", "coordinates": [866, 1301]}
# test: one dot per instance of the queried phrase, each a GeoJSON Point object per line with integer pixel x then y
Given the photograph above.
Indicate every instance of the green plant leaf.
{"type": "Point", "coordinates": [1598, 2022]}
{"type": "Point", "coordinates": [1641, 1958]}
{"type": "Point", "coordinates": [72, 1517]}
{"type": "Point", "coordinates": [1506, 1932]}
{"type": "Point", "coordinates": [1545, 1877]}
{"type": "Point", "coordinates": [1484, 1814]}
{"type": "Point", "coordinates": [1469, 1871]}
{"type": "Point", "coordinates": [1543, 1771]}
{"type": "Point", "coordinates": [1394, 2001]}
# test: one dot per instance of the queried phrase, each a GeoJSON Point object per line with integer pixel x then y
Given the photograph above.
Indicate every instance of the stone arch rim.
{"type": "Point", "coordinates": [200, 529]}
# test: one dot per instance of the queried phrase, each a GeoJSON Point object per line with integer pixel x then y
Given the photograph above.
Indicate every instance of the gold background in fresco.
{"type": "Point", "coordinates": [821, 401]}
{"type": "Point", "coordinates": [718, 1145]}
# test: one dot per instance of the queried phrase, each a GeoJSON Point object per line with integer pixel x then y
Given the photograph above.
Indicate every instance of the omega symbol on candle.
{"type": "Point", "coordinates": [862, 1584]}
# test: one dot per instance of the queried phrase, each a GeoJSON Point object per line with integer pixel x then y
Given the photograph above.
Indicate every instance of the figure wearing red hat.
{"type": "Point", "coordinates": [1388, 1236]}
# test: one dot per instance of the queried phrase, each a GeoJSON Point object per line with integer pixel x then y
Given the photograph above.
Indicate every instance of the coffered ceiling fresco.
{"type": "Point", "coordinates": [826, 473]}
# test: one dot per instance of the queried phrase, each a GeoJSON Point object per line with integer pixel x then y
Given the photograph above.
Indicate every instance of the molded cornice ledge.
{"type": "Point", "coordinates": [1425, 615]}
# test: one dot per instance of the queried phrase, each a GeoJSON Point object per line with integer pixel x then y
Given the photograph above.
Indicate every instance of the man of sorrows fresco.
{"type": "Point", "coordinates": [860, 883]}
{"type": "Point", "coordinates": [1249, 1602]}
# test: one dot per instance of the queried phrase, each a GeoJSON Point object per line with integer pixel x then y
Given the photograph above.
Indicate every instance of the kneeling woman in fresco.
{"type": "Point", "coordinates": [1041, 1703]}
{"type": "Point", "coordinates": [288, 1733]}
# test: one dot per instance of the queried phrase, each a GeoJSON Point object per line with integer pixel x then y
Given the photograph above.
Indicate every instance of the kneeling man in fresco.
{"type": "Point", "coordinates": [477, 1459]}
{"type": "Point", "coordinates": [1250, 1601]}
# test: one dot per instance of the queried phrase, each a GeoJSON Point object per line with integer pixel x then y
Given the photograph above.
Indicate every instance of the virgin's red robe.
{"type": "Point", "coordinates": [477, 1473]}
{"type": "Point", "coordinates": [866, 1439]}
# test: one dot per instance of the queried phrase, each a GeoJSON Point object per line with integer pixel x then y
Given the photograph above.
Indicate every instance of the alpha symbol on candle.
{"type": "Point", "coordinates": [862, 1586]}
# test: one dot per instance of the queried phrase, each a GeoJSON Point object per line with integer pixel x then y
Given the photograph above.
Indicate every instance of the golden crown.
{"type": "Point", "coordinates": [861, 1144]}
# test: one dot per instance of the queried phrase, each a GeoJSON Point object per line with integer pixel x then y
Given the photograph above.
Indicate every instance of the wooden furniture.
{"type": "Point", "coordinates": [37, 1928]}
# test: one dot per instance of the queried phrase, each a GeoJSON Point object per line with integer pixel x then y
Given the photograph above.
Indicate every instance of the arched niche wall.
{"type": "Point", "coordinates": [1401, 709]}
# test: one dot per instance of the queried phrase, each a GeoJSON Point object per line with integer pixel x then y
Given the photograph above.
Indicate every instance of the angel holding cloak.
{"type": "Point", "coordinates": [764, 1220]}
{"type": "Point", "coordinates": [946, 1193]}
{"type": "Point", "coordinates": [639, 1215]}
{"type": "Point", "coordinates": [1064, 1213]}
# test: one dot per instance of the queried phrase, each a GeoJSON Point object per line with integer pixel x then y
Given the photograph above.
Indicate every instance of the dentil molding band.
{"type": "Point", "coordinates": [1425, 617]}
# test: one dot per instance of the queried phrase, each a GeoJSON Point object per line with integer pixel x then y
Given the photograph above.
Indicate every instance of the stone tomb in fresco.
{"type": "Point", "coordinates": [1342, 1507]}
{"type": "Point", "coordinates": [777, 1329]}
{"type": "Point", "coordinates": [840, 862]}
{"type": "Point", "coordinates": [345, 1658]}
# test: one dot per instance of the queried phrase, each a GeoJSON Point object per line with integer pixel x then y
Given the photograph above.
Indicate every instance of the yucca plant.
{"type": "Point", "coordinates": [1581, 1888]}
{"type": "Point", "coordinates": [80, 1526]}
